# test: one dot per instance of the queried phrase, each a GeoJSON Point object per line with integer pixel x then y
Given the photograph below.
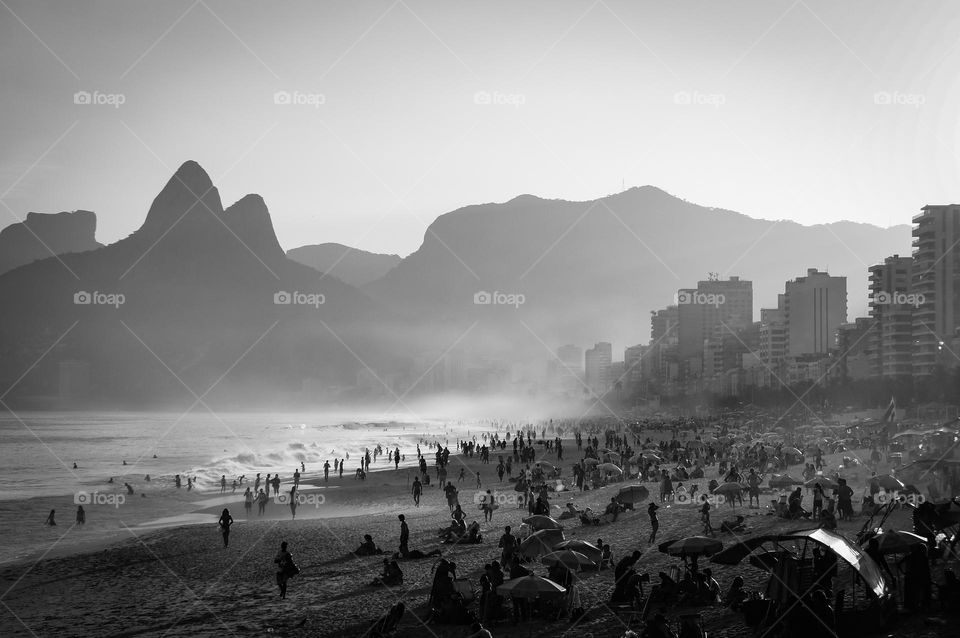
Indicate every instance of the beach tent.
{"type": "Point", "coordinates": [856, 558]}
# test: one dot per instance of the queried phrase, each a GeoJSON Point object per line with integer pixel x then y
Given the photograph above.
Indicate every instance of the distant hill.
{"type": "Point", "coordinates": [351, 265]}
{"type": "Point", "coordinates": [199, 288]}
{"type": "Point", "coordinates": [43, 235]}
{"type": "Point", "coordinates": [594, 270]}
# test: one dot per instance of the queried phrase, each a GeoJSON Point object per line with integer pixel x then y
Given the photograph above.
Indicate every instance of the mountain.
{"type": "Point", "coordinates": [198, 298]}
{"type": "Point", "coordinates": [590, 271]}
{"type": "Point", "coordinates": [354, 266]}
{"type": "Point", "coordinates": [43, 235]}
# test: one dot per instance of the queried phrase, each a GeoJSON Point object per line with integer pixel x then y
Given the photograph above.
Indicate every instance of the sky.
{"type": "Point", "coordinates": [360, 122]}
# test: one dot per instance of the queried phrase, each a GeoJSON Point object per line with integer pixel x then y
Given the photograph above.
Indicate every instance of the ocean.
{"type": "Point", "coordinates": [38, 450]}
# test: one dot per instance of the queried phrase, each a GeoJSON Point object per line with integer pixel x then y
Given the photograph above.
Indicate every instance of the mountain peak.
{"type": "Point", "coordinates": [187, 201]}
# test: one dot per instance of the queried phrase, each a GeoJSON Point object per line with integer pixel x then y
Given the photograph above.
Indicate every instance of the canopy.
{"type": "Point", "coordinates": [844, 549]}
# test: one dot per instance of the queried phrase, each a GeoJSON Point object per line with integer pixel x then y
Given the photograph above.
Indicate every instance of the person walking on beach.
{"type": "Point", "coordinates": [285, 568]}
{"type": "Point", "coordinates": [654, 521]}
{"type": "Point", "coordinates": [326, 471]}
{"type": "Point", "coordinates": [81, 515]}
{"type": "Point", "coordinates": [223, 483]}
{"type": "Point", "coordinates": [404, 536]}
{"type": "Point", "coordinates": [51, 521]}
{"type": "Point", "coordinates": [341, 468]}
{"type": "Point", "coordinates": [225, 522]}
{"type": "Point", "coordinates": [248, 501]}
{"type": "Point", "coordinates": [417, 491]}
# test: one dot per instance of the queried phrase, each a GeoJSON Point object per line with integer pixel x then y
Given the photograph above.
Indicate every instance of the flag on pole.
{"type": "Point", "coordinates": [891, 413]}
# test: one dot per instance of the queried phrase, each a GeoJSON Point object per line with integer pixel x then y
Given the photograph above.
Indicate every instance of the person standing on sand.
{"type": "Point", "coordinates": [225, 522]}
{"type": "Point", "coordinates": [262, 502]}
{"type": "Point", "coordinates": [81, 515]}
{"type": "Point", "coordinates": [256, 484]}
{"type": "Point", "coordinates": [293, 502]}
{"type": "Point", "coordinates": [276, 485]}
{"type": "Point", "coordinates": [404, 536]}
{"type": "Point", "coordinates": [51, 521]}
{"type": "Point", "coordinates": [285, 568]}
{"type": "Point", "coordinates": [248, 501]}
{"type": "Point", "coordinates": [417, 491]}
{"type": "Point", "coordinates": [223, 483]}
{"type": "Point", "coordinates": [479, 485]}
{"type": "Point", "coordinates": [326, 471]}
{"type": "Point", "coordinates": [341, 468]}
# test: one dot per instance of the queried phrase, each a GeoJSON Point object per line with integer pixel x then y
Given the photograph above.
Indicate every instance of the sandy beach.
{"type": "Point", "coordinates": [180, 581]}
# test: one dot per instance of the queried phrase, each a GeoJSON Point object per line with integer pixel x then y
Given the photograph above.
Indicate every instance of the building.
{"type": "Point", "coordinates": [714, 306]}
{"type": "Point", "coordinates": [935, 282]}
{"type": "Point", "coordinates": [597, 361]}
{"type": "Point", "coordinates": [772, 344]}
{"type": "Point", "coordinates": [855, 349]}
{"type": "Point", "coordinates": [633, 369]}
{"type": "Point", "coordinates": [814, 306]}
{"type": "Point", "coordinates": [890, 349]}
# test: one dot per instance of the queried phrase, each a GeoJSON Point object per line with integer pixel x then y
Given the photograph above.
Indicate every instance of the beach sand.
{"type": "Point", "coordinates": [181, 581]}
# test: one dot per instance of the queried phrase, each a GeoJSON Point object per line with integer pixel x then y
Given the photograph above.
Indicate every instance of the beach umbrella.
{"type": "Point", "coordinates": [541, 542]}
{"type": "Point", "coordinates": [633, 494]}
{"type": "Point", "coordinates": [691, 546]}
{"type": "Point", "coordinates": [792, 450]}
{"type": "Point", "coordinates": [890, 483]}
{"type": "Point", "coordinates": [825, 482]}
{"type": "Point", "coordinates": [729, 488]}
{"type": "Point", "coordinates": [569, 558]}
{"type": "Point", "coordinates": [589, 550]}
{"type": "Point", "coordinates": [609, 467]}
{"type": "Point", "coordinates": [546, 464]}
{"type": "Point", "coordinates": [530, 587]}
{"type": "Point", "coordinates": [895, 542]}
{"type": "Point", "coordinates": [591, 461]}
{"type": "Point", "coordinates": [539, 522]}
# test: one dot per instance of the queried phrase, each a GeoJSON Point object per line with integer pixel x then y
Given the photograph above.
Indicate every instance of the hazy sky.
{"type": "Point", "coordinates": [814, 111]}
